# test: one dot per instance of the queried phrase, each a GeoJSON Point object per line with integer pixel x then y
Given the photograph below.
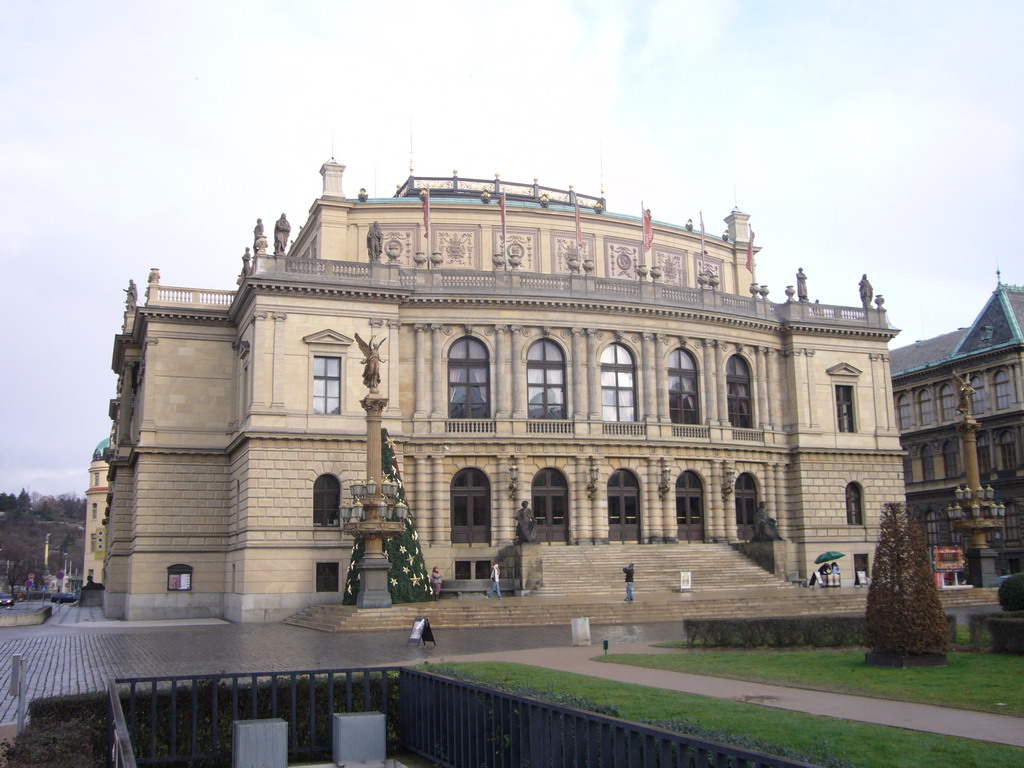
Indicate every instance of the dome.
{"type": "Point", "coordinates": [101, 449]}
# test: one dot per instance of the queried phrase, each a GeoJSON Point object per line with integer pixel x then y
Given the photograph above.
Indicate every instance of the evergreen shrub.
{"type": "Point", "coordinates": [1011, 593]}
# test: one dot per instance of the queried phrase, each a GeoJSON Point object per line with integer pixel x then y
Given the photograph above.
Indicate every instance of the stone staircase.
{"type": "Point", "coordinates": [597, 570]}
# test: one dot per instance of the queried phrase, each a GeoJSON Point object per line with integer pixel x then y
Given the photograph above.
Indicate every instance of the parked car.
{"type": "Point", "coordinates": [6, 600]}
{"type": "Point", "coordinates": [64, 597]}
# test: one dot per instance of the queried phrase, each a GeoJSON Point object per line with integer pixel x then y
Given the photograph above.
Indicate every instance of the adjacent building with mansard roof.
{"type": "Point", "coordinates": [988, 355]}
{"type": "Point", "coordinates": [655, 398]}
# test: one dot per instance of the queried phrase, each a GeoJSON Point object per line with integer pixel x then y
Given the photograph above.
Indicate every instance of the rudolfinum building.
{"type": "Point", "coordinates": [640, 393]}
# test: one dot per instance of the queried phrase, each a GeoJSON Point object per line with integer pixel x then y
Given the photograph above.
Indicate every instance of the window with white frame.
{"type": "Point", "coordinates": [326, 385]}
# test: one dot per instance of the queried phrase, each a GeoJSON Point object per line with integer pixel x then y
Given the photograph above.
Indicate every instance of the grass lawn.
{"type": "Point", "coordinates": [987, 682]}
{"type": "Point", "coordinates": [823, 740]}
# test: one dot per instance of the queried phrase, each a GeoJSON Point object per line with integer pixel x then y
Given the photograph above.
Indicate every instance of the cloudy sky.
{"type": "Point", "coordinates": [877, 136]}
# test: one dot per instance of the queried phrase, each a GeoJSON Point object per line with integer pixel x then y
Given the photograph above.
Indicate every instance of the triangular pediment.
{"type": "Point", "coordinates": [843, 369]}
{"type": "Point", "coordinates": [327, 336]}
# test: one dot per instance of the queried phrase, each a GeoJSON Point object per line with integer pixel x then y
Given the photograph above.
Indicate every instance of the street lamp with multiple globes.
{"type": "Point", "coordinates": [975, 512]}
{"type": "Point", "coordinates": [372, 496]}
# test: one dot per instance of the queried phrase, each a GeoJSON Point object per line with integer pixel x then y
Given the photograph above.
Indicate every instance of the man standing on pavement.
{"type": "Point", "coordinates": [495, 581]}
{"type": "Point", "coordinates": [628, 570]}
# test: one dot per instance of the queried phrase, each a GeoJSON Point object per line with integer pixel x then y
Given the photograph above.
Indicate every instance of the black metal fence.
{"type": "Point", "coordinates": [188, 719]}
{"type": "Point", "coordinates": [457, 724]}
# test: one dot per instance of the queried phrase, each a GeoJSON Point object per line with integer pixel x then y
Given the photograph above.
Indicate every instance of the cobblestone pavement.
{"type": "Point", "coordinates": [77, 652]}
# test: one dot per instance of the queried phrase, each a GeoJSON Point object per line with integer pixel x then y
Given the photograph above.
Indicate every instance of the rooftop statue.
{"type": "Point", "coordinates": [866, 292]}
{"type": "Point", "coordinates": [131, 301]}
{"type": "Point", "coordinates": [282, 229]}
{"type": "Point", "coordinates": [374, 242]}
{"type": "Point", "coordinates": [801, 285]}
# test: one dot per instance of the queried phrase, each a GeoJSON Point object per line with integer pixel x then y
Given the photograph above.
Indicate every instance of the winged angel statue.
{"type": "Point", "coordinates": [371, 361]}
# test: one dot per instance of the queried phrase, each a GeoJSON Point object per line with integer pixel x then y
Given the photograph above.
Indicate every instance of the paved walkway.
{"type": "Point", "coordinates": [78, 651]}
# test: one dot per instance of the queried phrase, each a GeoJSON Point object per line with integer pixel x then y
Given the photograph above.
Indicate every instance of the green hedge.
{"type": "Point", "coordinates": [1011, 593]}
{"type": "Point", "coordinates": [977, 625]}
{"type": "Point", "coordinates": [783, 631]}
{"type": "Point", "coordinates": [1007, 635]}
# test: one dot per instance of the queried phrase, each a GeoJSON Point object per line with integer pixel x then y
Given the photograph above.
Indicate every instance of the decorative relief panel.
{"type": "Point", "coordinates": [459, 246]}
{"type": "Point", "coordinates": [620, 258]}
{"type": "Point", "coordinates": [405, 237]}
{"type": "Point", "coordinates": [521, 243]}
{"type": "Point", "coordinates": [563, 244]}
{"type": "Point", "coordinates": [672, 263]}
{"type": "Point", "coordinates": [709, 266]}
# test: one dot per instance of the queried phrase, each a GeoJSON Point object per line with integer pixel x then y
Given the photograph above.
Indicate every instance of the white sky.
{"type": "Point", "coordinates": [877, 136]}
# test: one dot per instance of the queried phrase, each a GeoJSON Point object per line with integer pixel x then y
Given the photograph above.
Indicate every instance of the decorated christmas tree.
{"type": "Point", "coordinates": [408, 581]}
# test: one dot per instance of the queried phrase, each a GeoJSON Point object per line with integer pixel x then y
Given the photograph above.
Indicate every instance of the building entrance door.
{"type": "Point", "coordinates": [623, 507]}
{"type": "Point", "coordinates": [550, 494]}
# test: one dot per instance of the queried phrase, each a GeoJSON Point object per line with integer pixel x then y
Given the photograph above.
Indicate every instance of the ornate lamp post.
{"type": "Point", "coordinates": [975, 513]}
{"type": "Point", "coordinates": [372, 496]}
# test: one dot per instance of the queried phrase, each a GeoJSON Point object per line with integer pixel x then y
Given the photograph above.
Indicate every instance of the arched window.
{"type": "Point", "coordinates": [468, 380]}
{"type": "Point", "coordinates": [682, 388]}
{"type": "Point", "coordinates": [1001, 385]}
{"type": "Point", "coordinates": [978, 396]}
{"type": "Point", "coordinates": [903, 412]}
{"type": "Point", "coordinates": [737, 383]}
{"type": "Point", "coordinates": [746, 506]}
{"type": "Point", "coordinates": [326, 500]}
{"type": "Point", "coordinates": [927, 463]}
{"type": "Point", "coordinates": [623, 507]}
{"type": "Point", "coordinates": [471, 507]}
{"type": "Point", "coordinates": [950, 460]}
{"type": "Point", "coordinates": [545, 380]}
{"type": "Point", "coordinates": [618, 384]}
{"type": "Point", "coordinates": [854, 505]}
{"type": "Point", "coordinates": [924, 407]}
{"type": "Point", "coordinates": [1007, 450]}
{"type": "Point", "coordinates": [947, 403]}
{"type": "Point", "coordinates": [550, 494]}
{"type": "Point", "coordinates": [689, 507]}
{"type": "Point", "coordinates": [984, 454]}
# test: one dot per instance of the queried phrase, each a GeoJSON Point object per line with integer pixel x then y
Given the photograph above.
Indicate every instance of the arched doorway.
{"type": "Point", "coordinates": [623, 507]}
{"type": "Point", "coordinates": [550, 493]}
{"type": "Point", "coordinates": [471, 508]}
{"type": "Point", "coordinates": [689, 507]}
{"type": "Point", "coordinates": [746, 506]}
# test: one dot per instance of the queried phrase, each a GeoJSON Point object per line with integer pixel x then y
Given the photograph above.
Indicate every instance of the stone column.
{"type": "Point", "coordinates": [660, 378]}
{"type": "Point", "coordinates": [776, 375]}
{"type": "Point", "coordinates": [728, 504]}
{"type": "Point", "coordinates": [500, 380]}
{"type": "Point", "coordinates": [501, 528]}
{"type": "Point", "coordinates": [762, 388]}
{"type": "Point", "coordinates": [262, 362]}
{"type": "Point", "coordinates": [437, 398]}
{"type": "Point", "coordinates": [580, 518]}
{"type": "Point", "coordinates": [647, 366]}
{"type": "Point", "coordinates": [654, 522]}
{"type": "Point", "coordinates": [715, 525]}
{"type": "Point", "coordinates": [668, 505]}
{"type": "Point", "coordinates": [577, 407]}
{"type": "Point", "coordinates": [418, 502]}
{"type": "Point", "coordinates": [721, 387]}
{"type": "Point", "coordinates": [517, 374]}
{"type": "Point", "coordinates": [766, 387]}
{"type": "Point", "coordinates": [593, 377]}
{"type": "Point", "coordinates": [439, 503]}
{"type": "Point", "coordinates": [779, 510]}
{"type": "Point", "coordinates": [599, 505]}
{"type": "Point", "coordinates": [277, 385]}
{"type": "Point", "coordinates": [709, 402]}
{"type": "Point", "coordinates": [420, 367]}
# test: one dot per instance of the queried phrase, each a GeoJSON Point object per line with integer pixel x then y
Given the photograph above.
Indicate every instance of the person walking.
{"type": "Point", "coordinates": [495, 582]}
{"type": "Point", "coordinates": [628, 570]}
{"type": "Point", "coordinates": [435, 583]}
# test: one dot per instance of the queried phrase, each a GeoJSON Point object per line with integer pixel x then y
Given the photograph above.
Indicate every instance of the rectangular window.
{"type": "Point", "coordinates": [844, 407]}
{"type": "Point", "coordinates": [327, 577]}
{"type": "Point", "coordinates": [94, 511]}
{"type": "Point", "coordinates": [327, 385]}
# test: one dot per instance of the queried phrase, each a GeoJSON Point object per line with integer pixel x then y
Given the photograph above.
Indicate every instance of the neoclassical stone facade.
{"type": "Point", "coordinates": [648, 397]}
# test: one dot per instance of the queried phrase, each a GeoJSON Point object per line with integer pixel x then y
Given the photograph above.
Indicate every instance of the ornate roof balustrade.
{"type": "Point", "coordinates": [432, 284]}
{"type": "Point", "coordinates": [454, 186]}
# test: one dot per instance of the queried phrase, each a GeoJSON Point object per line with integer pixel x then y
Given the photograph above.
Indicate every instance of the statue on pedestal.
{"type": "Point", "coordinates": [282, 229]}
{"type": "Point", "coordinates": [526, 525]}
{"type": "Point", "coordinates": [801, 285]}
{"type": "Point", "coordinates": [374, 242]}
{"type": "Point", "coordinates": [131, 300]}
{"type": "Point", "coordinates": [765, 528]}
{"type": "Point", "coordinates": [371, 362]}
{"type": "Point", "coordinates": [866, 292]}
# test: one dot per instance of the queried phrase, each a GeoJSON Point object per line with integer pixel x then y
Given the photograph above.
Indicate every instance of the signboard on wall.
{"type": "Point", "coordinates": [947, 559]}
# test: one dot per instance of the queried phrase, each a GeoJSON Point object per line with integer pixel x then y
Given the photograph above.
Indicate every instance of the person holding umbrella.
{"type": "Point", "coordinates": [829, 570]}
